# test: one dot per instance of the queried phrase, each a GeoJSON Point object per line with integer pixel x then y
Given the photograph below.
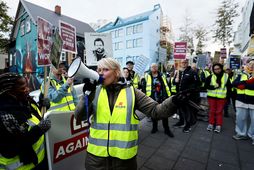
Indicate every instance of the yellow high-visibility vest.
{"type": "Point", "coordinates": [173, 86]}
{"type": "Point", "coordinates": [220, 92]}
{"type": "Point", "coordinates": [244, 77]}
{"type": "Point", "coordinates": [148, 79]}
{"type": "Point", "coordinates": [39, 148]}
{"type": "Point", "coordinates": [114, 134]}
{"type": "Point", "coordinates": [66, 103]}
{"type": "Point", "coordinates": [135, 80]}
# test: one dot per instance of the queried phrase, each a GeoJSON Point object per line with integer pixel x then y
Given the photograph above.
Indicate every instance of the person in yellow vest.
{"type": "Point", "coordinates": [113, 138]}
{"type": "Point", "coordinates": [22, 128]}
{"type": "Point", "coordinates": [157, 88]}
{"type": "Point", "coordinates": [245, 103]}
{"type": "Point", "coordinates": [218, 88]}
{"type": "Point", "coordinates": [61, 93]}
{"type": "Point", "coordinates": [134, 76]}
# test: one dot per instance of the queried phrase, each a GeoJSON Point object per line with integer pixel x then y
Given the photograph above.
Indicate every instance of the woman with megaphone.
{"type": "Point", "coordinates": [113, 138]}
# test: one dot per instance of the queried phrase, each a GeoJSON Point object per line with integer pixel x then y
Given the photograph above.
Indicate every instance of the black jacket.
{"type": "Point", "coordinates": [15, 137]}
{"type": "Point", "coordinates": [189, 79]}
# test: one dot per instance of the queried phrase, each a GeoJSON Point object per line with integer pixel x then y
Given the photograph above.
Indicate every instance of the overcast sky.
{"type": "Point", "coordinates": [203, 12]}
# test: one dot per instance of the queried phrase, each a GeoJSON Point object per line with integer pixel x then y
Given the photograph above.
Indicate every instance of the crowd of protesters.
{"type": "Point", "coordinates": [158, 95]}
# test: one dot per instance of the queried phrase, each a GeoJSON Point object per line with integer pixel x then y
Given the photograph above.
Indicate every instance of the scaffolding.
{"type": "Point", "coordinates": [165, 31]}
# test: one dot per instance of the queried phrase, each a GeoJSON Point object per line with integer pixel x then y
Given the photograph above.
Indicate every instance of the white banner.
{"type": "Point", "coordinates": [141, 64]}
{"type": "Point", "coordinates": [66, 141]}
{"type": "Point", "coordinates": [98, 46]}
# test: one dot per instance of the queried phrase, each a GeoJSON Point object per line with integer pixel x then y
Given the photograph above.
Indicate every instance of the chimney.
{"type": "Point", "coordinates": [58, 10]}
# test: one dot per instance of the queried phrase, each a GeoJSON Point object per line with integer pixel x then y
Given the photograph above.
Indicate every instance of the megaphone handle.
{"type": "Point", "coordinates": [86, 104]}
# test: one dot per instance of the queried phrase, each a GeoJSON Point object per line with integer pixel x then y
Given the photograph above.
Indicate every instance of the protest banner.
{"type": "Point", "coordinates": [44, 43]}
{"type": "Point", "coordinates": [141, 64]}
{"type": "Point", "coordinates": [56, 49]}
{"type": "Point", "coordinates": [98, 46]}
{"type": "Point", "coordinates": [223, 53]}
{"type": "Point", "coordinates": [201, 63]}
{"type": "Point", "coordinates": [68, 35]}
{"type": "Point", "coordinates": [235, 62]}
{"type": "Point", "coordinates": [66, 141]}
{"type": "Point", "coordinates": [180, 50]}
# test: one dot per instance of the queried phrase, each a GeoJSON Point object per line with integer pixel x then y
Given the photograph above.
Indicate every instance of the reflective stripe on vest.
{"type": "Point", "coordinates": [66, 103]}
{"type": "Point", "coordinates": [220, 92]}
{"type": "Point", "coordinates": [39, 148]}
{"type": "Point", "coordinates": [244, 77]}
{"type": "Point", "coordinates": [148, 78]}
{"type": "Point", "coordinates": [173, 87]}
{"type": "Point", "coordinates": [114, 134]}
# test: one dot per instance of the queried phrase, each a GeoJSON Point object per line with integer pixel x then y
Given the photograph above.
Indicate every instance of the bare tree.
{"type": "Point", "coordinates": [226, 13]}
{"type": "Point", "coordinates": [187, 32]}
{"type": "Point", "coordinates": [200, 33]}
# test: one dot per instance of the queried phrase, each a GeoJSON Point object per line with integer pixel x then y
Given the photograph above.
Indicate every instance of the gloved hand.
{"type": "Point", "coordinates": [89, 86]}
{"type": "Point", "coordinates": [250, 81]}
{"type": "Point", "coordinates": [45, 124]}
{"type": "Point", "coordinates": [180, 98]}
{"type": "Point", "coordinates": [241, 86]}
{"type": "Point", "coordinates": [45, 102]}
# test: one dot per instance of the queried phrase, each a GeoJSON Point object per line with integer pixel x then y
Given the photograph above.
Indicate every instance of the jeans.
{"type": "Point", "coordinates": [242, 123]}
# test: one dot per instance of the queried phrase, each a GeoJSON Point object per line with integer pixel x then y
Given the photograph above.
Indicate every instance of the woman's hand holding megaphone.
{"type": "Point", "coordinates": [89, 86]}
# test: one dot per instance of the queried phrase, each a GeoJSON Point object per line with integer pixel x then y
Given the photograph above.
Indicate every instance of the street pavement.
{"type": "Point", "coordinates": [197, 150]}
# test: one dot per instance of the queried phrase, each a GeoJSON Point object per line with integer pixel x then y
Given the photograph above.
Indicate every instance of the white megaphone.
{"type": "Point", "coordinates": [80, 71]}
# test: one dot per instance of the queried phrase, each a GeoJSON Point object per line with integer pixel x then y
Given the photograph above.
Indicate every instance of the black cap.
{"type": "Point", "coordinates": [130, 62]}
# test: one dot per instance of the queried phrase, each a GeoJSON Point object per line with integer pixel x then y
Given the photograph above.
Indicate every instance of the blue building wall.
{"type": "Point", "coordinates": [148, 37]}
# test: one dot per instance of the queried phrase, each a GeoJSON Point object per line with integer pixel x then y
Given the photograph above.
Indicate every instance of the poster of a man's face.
{"type": "Point", "coordinates": [98, 46]}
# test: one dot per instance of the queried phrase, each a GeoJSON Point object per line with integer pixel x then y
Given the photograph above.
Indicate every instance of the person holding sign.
{"type": "Point", "coordinates": [22, 128]}
{"type": "Point", "coordinates": [244, 85]}
{"type": "Point", "coordinates": [61, 93]}
{"type": "Point", "coordinates": [113, 138]}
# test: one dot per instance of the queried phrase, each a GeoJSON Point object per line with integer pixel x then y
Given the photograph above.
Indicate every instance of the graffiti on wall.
{"type": "Point", "coordinates": [26, 53]}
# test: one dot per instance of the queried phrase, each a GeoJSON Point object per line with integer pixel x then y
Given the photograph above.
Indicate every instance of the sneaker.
{"type": "Point", "coordinates": [217, 129]}
{"type": "Point", "coordinates": [186, 129]}
{"type": "Point", "coordinates": [178, 125]}
{"type": "Point", "coordinates": [239, 137]}
{"type": "Point", "coordinates": [209, 127]}
{"type": "Point", "coordinates": [169, 133]}
{"type": "Point", "coordinates": [154, 131]}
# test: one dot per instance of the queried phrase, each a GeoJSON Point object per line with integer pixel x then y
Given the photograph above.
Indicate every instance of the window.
{"type": "Point", "coordinates": [120, 60]}
{"type": "Point", "coordinates": [22, 27]}
{"type": "Point", "coordinates": [118, 45]}
{"type": "Point", "coordinates": [139, 42]}
{"type": "Point", "coordinates": [129, 30]}
{"type": "Point", "coordinates": [28, 25]}
{"type": "Point", "coordinates": [129, 44]}
{"type": "Point", "coordinates": [113, 34]}
{"type": "Point", "coordinates": [120, 32]}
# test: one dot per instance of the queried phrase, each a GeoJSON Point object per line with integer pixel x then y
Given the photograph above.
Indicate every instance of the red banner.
{"type": "Point", "coordinates": [68, 35]}
{"type": "Point", "coordinates": [180, 50]}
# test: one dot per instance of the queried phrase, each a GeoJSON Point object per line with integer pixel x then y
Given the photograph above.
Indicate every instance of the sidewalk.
{"type": "Point", "coordinates": [197, 150]}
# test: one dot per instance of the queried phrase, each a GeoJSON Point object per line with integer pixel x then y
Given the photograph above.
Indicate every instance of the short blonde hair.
{"type": "Point", "coordinates": [112, 64]}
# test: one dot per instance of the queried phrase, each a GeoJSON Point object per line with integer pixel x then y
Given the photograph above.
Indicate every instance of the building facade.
{"type": "Point", "coordinates": [23, 51]}
{"type": "Point", "coordinates": [138, 35]}
{"type": "Point", "coordinates": [242, 36]}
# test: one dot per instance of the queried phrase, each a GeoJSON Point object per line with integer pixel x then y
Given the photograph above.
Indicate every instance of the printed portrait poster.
{"type": "Point", "coordinates": [44, 30]}
{"type": "Point", "coordinates": [98, 46]}
{"type": "Point", "coordinates": [68, 35]}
